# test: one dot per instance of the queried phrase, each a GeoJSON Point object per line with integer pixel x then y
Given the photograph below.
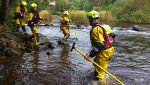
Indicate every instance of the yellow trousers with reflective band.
{"type": "Point", "coordinates": [66, 33]}
{"type": "Point", "coordinates": [20, 21]}
{"type": "Point", "coordinates": [102, 59]}
{"type": "Point", "coordinates": [35, 33]}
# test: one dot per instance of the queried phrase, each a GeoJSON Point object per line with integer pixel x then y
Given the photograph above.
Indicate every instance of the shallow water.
{"type": "Point", "coordinates": [131, 61]}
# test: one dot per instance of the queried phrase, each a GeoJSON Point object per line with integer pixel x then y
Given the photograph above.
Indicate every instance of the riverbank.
{"type": "Point", "coordinates": [15, 44]}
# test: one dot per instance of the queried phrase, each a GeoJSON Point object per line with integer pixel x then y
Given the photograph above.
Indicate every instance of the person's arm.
{"type": "Point", "coordinates": [17, 9]}
{"type": "Point", "coordinates": [18, 13]}
{"type": "Point", "coordinates": [96, 49]}
{"type": "Point", "coordinates": [97, 35]}
{"type": "Point", "coordinates": [30, 22]}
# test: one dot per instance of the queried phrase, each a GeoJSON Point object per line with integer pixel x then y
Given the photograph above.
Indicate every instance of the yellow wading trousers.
{"type": "Point", "coordinates": [20, 22]}
{"type": "Point", "coordinates": [66, 33]}
{"type": "Point", "coordinates": [102, 59]}
{"type": "Point", "coordinates": [35, 33]}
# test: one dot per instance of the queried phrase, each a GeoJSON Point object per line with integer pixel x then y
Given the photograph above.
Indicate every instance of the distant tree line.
{"type": "Point", "coordinates": [123, 10]}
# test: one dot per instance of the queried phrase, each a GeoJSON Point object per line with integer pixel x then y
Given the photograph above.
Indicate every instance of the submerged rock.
{"type": "Point", "coordinates": [140, 28]}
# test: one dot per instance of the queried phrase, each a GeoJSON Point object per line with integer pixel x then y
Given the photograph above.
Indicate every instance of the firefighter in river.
{"type": "Point", "coordinates": [33, 22]}
{"type": "Point", "coordinates": [102, 45]}
{"type": "Point", "coordinates": [20, 13]}
{"type": "Point", "coordinates": [64, 24]}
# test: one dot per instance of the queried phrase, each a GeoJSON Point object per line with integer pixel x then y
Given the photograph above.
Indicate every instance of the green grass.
{"type": "Point", "coordinates": [79, 17]}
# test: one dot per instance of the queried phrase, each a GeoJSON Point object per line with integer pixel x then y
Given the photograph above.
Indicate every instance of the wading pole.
{"type": "Point", "coordinates": [73, 47]}
{"type": "Point", "coordinates": [75, 32]}
{"type": "Point", "coordinates": [74, 29]}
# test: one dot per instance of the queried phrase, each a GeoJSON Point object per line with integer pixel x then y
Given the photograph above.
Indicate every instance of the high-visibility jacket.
{"type": "Point", "coordinates": [33, 20]}
{"type": "Point", "coordinates": [64, 22]}
{"type": "Point", "coordinates": [20, 11]}
{"type": "Point", "coordinates": [101, 38]}
{"type": "Point", "coordinates": [34, 16]}
{"type": "Point", "coordinates": [20, 14]}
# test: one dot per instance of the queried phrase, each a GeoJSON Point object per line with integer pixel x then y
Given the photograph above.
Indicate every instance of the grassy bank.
{"type": "Point", "coordinates": [78, 17]}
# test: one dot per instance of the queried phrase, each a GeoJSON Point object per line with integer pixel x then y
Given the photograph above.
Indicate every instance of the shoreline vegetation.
{"type": "Point", "coordinates": [128, 11]}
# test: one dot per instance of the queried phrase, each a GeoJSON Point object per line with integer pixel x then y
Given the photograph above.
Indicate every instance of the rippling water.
{"type": "Point", "coordinates": [131, 62]}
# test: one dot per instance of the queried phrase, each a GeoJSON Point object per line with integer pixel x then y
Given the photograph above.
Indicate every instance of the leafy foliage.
{"type": "Point", "coordinates": [137, 11]}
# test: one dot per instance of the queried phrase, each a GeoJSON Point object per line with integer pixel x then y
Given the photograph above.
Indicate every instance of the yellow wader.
{"type": "Point", "coordinates": [34, 29]}
{"type": "Point", "coordinates": [64, 27]}
{"type": "Point", "coordinates": [102, 58]}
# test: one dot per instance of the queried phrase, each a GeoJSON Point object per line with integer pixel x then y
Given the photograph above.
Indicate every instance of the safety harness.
{"type": "Point", "coordinates": [21, 13]}
{"type": "Point", "coordinates": [22, 9]}
{"type": "Point", "coordinates": [108, 38]}
{"type": "Point", "coordinates": [36, 17]}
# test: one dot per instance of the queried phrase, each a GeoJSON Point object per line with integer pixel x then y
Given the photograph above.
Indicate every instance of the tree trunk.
{"type": "Point", "coordinates": [4, 14]}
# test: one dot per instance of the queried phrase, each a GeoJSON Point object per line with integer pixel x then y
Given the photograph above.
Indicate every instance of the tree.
{"type": "Point", "coordinates": [4, 13]}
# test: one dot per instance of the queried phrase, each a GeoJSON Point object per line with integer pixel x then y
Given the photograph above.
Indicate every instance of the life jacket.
{"type": "Point", "coordinates": [64, 22]}
{"type": "Point", "coordinates": [108, 37]}
{"type": "Point", "coordinates": [20, 12]}
{"type": "Point", "coordinates": [36, 18]}
{"type": "Point", "coordinates": [22, 9]}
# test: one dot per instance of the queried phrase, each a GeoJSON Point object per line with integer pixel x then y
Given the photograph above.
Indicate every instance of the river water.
{"type": "Point", "coordinates": [130, 63]}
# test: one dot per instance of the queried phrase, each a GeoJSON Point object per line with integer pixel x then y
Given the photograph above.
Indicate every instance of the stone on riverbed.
{"type": "Point", "coordinates": [140, 28]}
{"type": "Point", "coordinates": [17, 43]}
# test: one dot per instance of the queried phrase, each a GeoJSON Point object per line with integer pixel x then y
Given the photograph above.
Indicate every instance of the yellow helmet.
{"type": "Point", "coordinates": [65, 13]}
{"type": "Point", "coordinates": [23, 3]}
{"type": "Point", "coordinates": [33, 5]}
{"type": "Point", "coordinates": [93, 14]}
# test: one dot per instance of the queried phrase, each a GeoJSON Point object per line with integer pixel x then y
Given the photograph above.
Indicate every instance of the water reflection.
{"type": "Point", "coordinates": [8, 70]}
{"type": "Point", "coordinates": [64, 55]}
{"type": "Point", "coordinates": [65, 65]}
{"type": "Point", "coordinates": [35, 62]}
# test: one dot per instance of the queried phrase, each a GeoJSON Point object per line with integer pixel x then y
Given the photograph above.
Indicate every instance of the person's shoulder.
{"type": "Point", "coordinates": [97, 29]}
{"type": "Point", "coordinates": [17, 7]}
{"type": "Point", "coordinates": [66, 18]}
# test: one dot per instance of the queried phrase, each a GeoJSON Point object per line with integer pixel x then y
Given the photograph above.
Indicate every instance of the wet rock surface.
{"type": "Point", "coordinates": [140, 28]}
{"type": "Point", "coordinates": [16, 43]}
{"type": "Point", "coordinates": [8, 45]}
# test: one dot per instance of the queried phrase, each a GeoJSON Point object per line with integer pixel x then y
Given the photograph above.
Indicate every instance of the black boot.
{"type": "Point", "coordinates": [23, 29]}
{"type": "Point", "coordinates": [17, 28]}
{"type": "Point", "coordinates": [95, 75]}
